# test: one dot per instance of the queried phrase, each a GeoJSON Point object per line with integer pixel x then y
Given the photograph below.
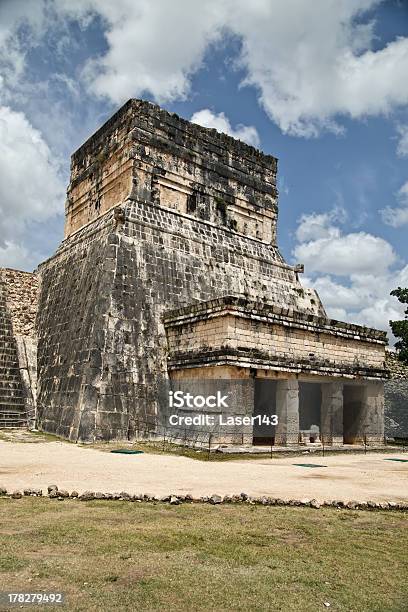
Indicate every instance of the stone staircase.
{"type": "Point", "coordinates": [12, 405]}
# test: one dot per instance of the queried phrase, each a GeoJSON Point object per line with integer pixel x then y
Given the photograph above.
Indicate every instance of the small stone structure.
{"type": "Point", "coordinates": [396, 398]}
{"type": "Point", "coordinates": [18, 347]}
{"type": "Point", "coordinates": [170, 272]}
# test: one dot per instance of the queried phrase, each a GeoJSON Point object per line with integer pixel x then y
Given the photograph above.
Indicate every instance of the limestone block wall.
{"type": "Point", "coordinates": [18, 308]}
{"type": "Point", "coordinates": [22, 296]}
{"type": "Point", "coordinates": [396, 408]}
{"type": "Point", "coordinates": [73, 318]}
{"type": "Point", "coordinates": [234, 327]}
{"type": "Point", "coordinates": [102, 343]}
{"type": "Point", "coordinates": [396, 398]}
{"type": "Point", "coordinates": [160, 214]}
{"type": "Point", "coordinates": [148, 153]}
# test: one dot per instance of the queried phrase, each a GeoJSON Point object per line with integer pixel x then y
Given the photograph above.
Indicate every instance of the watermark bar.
{"type": "Point", "coordinates": [30, 598]}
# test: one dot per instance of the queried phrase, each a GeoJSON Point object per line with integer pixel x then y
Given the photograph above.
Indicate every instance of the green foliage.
{"type": "Point", "coordinates": [400, 328]}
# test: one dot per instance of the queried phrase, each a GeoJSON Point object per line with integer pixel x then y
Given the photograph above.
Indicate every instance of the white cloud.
{"type": "Point", "coordinates": [13, 255]}
{"type": "Point", "coordinates": [365, 262]}
{"type": "Point", "coordinates": [246, 133]}
{"type": "Point", "coordinates": [154, 47]}
{"type": "Point", "coordinates": [311, 62]}
{"type": "Point", "coordinates": [30, 185]}
{"type": "Point", "coordinates": [398, 215]}
{"type": "Point", "coordinates": [365, 301]}
{"type": "Point", "coordinates": [320, 225]}
{"type": "Point", "coordinates": [402, 148]}
{"type": "Point", "coordinates": [13, 15]}
{"type": "Point", "coordinates": [324, 248]}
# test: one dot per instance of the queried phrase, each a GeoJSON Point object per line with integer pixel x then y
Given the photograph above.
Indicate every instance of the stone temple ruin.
{"type": "Point", "coordinates": [169, 272]}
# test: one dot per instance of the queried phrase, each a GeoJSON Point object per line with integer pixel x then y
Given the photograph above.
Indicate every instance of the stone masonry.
{"type": "Point", "coordinates": [169, 271]}
{"type": "Point", "coordinates": [18, 369]}
{"type": "Point", "coordinates": [396, 398]}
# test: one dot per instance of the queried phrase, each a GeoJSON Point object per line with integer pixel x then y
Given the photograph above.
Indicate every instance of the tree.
{"type": "Point", "coordinates": [400, 328]}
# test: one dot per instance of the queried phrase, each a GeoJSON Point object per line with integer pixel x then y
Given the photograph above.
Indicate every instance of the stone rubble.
{"type": "Point", "coordinates": [55, 493]}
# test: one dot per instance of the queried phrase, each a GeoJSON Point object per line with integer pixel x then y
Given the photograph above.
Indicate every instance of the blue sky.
{"type": "Point", "coordinates": [323, 86]}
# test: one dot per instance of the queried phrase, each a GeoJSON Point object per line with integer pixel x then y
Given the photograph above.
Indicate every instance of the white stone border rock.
{"type": "Point", "coordinates": [60, 494]}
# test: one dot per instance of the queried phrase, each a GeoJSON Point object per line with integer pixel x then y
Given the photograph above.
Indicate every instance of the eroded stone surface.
{"type": "Point", "coordinates": [170, 268]}
{"type": "Point", "coordinates": [18, 371]}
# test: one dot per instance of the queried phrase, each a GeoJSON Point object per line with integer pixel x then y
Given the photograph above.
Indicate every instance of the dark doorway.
{"type": "Point", "coordinates": [353, 414]}
{"type": "Point", "coordinates": [310, 401]}
{"type": "Point", "coordinates": [264, 406]}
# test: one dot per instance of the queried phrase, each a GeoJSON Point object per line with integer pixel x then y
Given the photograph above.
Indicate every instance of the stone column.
{"type": "Point", "coordinates": [373, 410]}
{"type": "Point", "coordinates": [331, 413]}
{"type": "Point", "coordinates": [287, 410]}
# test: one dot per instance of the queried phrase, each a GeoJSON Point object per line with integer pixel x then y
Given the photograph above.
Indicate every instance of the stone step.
{"type": "Point", "coordinates": [9, 374]}
{"type": "Point", "coordinates": [5, 379]}
{"type": "Point", "coordinates": [12, 422]}
{"type": "Point", "coordinates": [10, 406]}
{"type": "Point", "coordinates": [7, 353]}
{"type": "Point", "coordinates": [7, 343]}
{"type": "Point", "coordinates": [7, 337]}
{"type": "Point", "coordinates": [11, 401]}
{"type": "Point", "coordinates": [12, 412]}
{"type": "Point", "coordinates": [11, 394]}
{"type": "Point", "coordinates": [4, 320]}
{"type": "Point", "coordinates": [6, 373]}
{"type": "Point", "coordinates": [6, 333]}
{"type": "Point", "coordinates": [14, 383]}
{"type": "Point", "coordinates": [7, 392]}
{"type": "Point", "coordinates": [15, 391]}
{"type": "Point", "coordinates": [9, 363]}
{"type": "Point", "coordinates": [10, 386]}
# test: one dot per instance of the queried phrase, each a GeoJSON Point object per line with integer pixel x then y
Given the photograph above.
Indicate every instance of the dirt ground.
{"type": "Point", "coordinates": [343, 477]}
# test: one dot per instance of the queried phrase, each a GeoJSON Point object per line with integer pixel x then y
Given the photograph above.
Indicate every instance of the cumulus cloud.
{"type": "Point", "coordinates": [31, 189]}
{"type": "Point", "coordinates": [402, 148]}
{"type": "Point", "coordinates": [398, 215]}
{"type": "Point", "coordinates": [365, 301]}
{"type": "Point", "coordinates": [153, 47]}
{"type": "Point", "coordinates": [340, 267]}
{"type": "Point", "coordinates": [324, 248]}
{"type": "Point", "coordinates": [311, 63]}
{"type": "Point", "coordinates": [316, 226]}
{"type": "Point", "coordinates": [13, 16]}
{"type": "Point", "coordinates": [246, 133]}
{"type": "Point", "coordinates": [13, 255]}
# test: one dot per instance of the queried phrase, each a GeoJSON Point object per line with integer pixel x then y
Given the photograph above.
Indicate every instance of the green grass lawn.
{"type": "Point", "coordinates": [134, 556]}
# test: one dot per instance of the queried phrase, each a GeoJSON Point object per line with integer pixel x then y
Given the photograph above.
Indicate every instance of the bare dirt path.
{"type": "Point", "coordinates": [346, 477]}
